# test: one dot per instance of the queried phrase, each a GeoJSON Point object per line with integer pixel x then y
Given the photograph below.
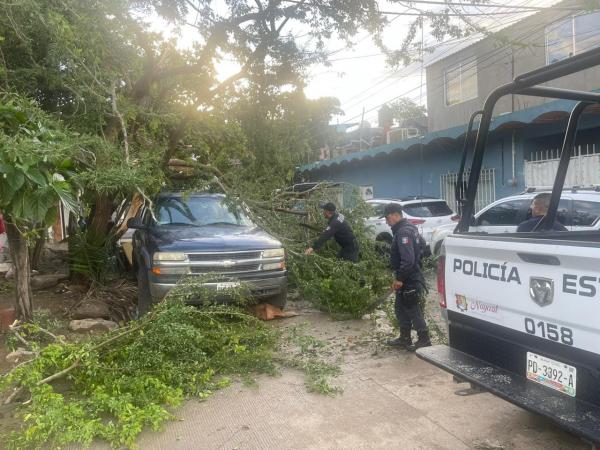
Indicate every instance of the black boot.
{"type": "Point", "coordinates": [404, 341]}
{"type": "Point", "coordinates": [423, 340]}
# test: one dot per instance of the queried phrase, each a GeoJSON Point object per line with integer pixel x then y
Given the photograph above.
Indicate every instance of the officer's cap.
{"type": "Point", "coordinates": [391, 208]}
{"type": "Point", "coordinates": [328, 207]}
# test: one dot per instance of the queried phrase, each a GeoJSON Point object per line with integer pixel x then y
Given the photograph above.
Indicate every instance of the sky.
{"type": "Point", "coordinates": [359, 76]}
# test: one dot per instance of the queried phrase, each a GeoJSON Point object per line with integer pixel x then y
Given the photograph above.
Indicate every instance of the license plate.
{"type": "Point", "coordinates": [551, 373]}
{"type": "Point", "coordinates": [227, 285]}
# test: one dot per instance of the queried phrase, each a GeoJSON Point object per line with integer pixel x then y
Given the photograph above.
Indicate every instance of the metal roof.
{"type": "Point", "coordinates": [551, 111]}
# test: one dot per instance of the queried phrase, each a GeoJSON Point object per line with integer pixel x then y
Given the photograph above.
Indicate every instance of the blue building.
{"type": "Point", "coordinates": [526, 134]}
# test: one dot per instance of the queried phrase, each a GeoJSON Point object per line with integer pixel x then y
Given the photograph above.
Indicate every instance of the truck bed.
{"type": "Point", "coordinates": [518, 302]}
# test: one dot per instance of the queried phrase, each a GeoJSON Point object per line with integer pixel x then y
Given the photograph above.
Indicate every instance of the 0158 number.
{"type": "Point", "coordinates": [549, 331]}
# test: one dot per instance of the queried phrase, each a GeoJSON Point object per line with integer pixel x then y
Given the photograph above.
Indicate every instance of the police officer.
{"type": "Point", "coordinates": [539, 208]}
{"type": "Point", "coordinates": [409, 283]}
{"type": "Point", "coordinates": [337, 228]}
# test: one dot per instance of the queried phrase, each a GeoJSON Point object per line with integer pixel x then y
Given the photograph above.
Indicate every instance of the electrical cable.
{"type": "Point", "coordinates": [476, 58]}
{"type": "Point", "coordinates": [394, 75]}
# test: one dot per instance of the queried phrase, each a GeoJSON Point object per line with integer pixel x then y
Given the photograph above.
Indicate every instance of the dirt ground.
{"type": "Point", "coordinates": [390, 399]}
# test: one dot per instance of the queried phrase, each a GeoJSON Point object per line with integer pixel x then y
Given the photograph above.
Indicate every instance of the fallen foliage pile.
{"type": "Point", "coordinates": [344, 289]}
{"type": "Point", "coordinates": [111, 387]}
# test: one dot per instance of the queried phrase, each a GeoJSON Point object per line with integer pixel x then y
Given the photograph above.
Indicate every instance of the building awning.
{"type": "Point", "coordinates": [548, 112]}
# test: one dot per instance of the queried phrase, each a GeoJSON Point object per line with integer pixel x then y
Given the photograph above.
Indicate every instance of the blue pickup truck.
{"type": "Point", "coordinates": [187, 234]}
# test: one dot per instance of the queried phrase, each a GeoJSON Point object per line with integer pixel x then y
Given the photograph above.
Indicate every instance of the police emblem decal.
{"type": "Point", "coordinates": [461, 302]}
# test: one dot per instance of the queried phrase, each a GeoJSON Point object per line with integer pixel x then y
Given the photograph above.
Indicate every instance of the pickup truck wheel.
{"type": "Point", "coordinates": [144, 296]}
{"type": "Point", "coordinates": [278, 300]}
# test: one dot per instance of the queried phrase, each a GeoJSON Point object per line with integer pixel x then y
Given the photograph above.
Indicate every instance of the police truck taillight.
{"type": "Point", "coordinates": [441, 280]}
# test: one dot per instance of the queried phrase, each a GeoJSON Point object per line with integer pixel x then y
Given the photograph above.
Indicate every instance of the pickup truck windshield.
{"type": "Point", "coordinates": [198, 211]}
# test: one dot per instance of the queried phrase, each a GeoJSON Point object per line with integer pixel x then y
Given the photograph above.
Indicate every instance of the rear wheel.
{"type": "Point", "coordinates": [278, 300]}
{"type": "Point", "coordinates": [144, 296]}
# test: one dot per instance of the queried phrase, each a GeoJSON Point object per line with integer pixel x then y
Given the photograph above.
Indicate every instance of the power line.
{"type": "Point", "coordinates": [443, 13]}
{"type": "Point", "coordinates": [459, 41]}
{"type": "Point", "coordinates": [496, 5]}
{"type": "Point", "coordinates": [450, 3]}
{"type": "Point", "coordinates": [357, 96]}
{"type": "Point", "coordinates": [477, 59]}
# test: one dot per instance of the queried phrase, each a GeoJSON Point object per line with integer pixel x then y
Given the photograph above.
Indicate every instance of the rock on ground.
{"type": "Point", "coordinates": [91, 310]}
{"type": "Point", "coordinates": [92, 325]}
{"type": "Point", "coordinates": [46, 281]}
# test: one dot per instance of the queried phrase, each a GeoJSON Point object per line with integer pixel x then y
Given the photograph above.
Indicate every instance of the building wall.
{"type": "Point", "coordinates": [497, 65]}
{"type": "Point", "coordinates": [411, 172]}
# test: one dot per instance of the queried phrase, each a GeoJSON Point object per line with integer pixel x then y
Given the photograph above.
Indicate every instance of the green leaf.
{"type": "Point", "coordinates": [35, 175]}
{"type": "Point", "coordinates": [37, 204]}
{"type": "Point", "coordinates": [51, 216]}
{"type": "Point", "coordinates": [65, 164]}
{"type": "Point", "coordinates": [10, 182]}
{"type": "Point", "coordinates": [17, 206]}
{"type": "Point", "coordinates": [21, 116]}
{"type": "Point", "coordinates": [63, 190]}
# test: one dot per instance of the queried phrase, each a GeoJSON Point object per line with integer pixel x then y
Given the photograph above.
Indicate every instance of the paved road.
{"type": "Point", "coordinates": [391, 399]}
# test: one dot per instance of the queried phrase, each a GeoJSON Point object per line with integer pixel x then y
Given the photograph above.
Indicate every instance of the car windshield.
{"type": "Point", "coordinates": [427, 209]}
{"type": "Point", "coordinates": [198, 211]}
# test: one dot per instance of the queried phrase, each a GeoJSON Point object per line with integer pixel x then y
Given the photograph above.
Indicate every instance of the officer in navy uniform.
{"type": "Point", "coordinates": [337, 228]}
{"type": "Point", "coordinates": [409, 283]}
{"type": "Point", "coordinates": [539, 208]}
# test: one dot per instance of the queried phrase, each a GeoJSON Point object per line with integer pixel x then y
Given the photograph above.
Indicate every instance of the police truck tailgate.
{"type": "Point", "coordinates": [524, 322]}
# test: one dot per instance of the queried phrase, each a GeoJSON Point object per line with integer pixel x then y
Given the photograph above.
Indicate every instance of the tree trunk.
{"type": "Point", "coordinates": [20, 258]}
{"type": "Point", "coordinates": [38, 251]}
{"type": "Point", "coordinates": [99, 225]}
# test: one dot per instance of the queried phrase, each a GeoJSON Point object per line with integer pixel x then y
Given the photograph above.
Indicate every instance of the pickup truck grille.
{"type": "Point", "coordinates": [196, 257]}
{"type": "Point", "coordinates": [238, 268]}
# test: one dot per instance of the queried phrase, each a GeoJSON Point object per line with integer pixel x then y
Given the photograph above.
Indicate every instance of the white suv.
{"type": "Point", "coordinates": [577, 210]}
{"type": "Point", "coordinates": [424, 212]}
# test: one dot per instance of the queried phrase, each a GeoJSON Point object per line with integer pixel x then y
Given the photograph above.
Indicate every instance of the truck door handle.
{"type": "Point", "coordinates": [535, 258]}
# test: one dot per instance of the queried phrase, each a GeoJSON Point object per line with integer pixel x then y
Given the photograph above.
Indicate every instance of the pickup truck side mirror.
{"type": "Point", "coordinates": [135, 223]}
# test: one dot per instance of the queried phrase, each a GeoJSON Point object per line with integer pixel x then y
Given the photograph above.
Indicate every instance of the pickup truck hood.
{"type": "Point", "coordinates": [220, 238]}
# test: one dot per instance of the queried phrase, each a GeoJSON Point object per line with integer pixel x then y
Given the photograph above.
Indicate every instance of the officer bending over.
{"type": "Point", "coordinates": [410, 283]}
{"type": "Point", "coordinates": [337, 228]}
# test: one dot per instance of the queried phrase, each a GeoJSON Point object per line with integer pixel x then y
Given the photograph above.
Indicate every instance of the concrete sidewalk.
{"type": "Point", "coordinates": [390, 400]}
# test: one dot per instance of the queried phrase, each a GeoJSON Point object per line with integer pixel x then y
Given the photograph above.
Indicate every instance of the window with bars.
{"type": "Point", "coordinates": [574, 35]}
{"type": "Point", "coordinates": [460, 83]}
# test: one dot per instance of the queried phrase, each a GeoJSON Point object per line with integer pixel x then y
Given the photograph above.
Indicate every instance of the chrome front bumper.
{"type": "Point", "coordinates": [259, 288]}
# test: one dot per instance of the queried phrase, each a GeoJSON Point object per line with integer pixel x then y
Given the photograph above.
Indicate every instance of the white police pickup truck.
{"type": "Point", "coordinates": [523, 309]}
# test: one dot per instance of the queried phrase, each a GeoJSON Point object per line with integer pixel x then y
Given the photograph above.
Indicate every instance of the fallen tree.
{"type": "Point", "coordinates": [344, 289]}
{"type": "Point", "coordinates": [110, 387]}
